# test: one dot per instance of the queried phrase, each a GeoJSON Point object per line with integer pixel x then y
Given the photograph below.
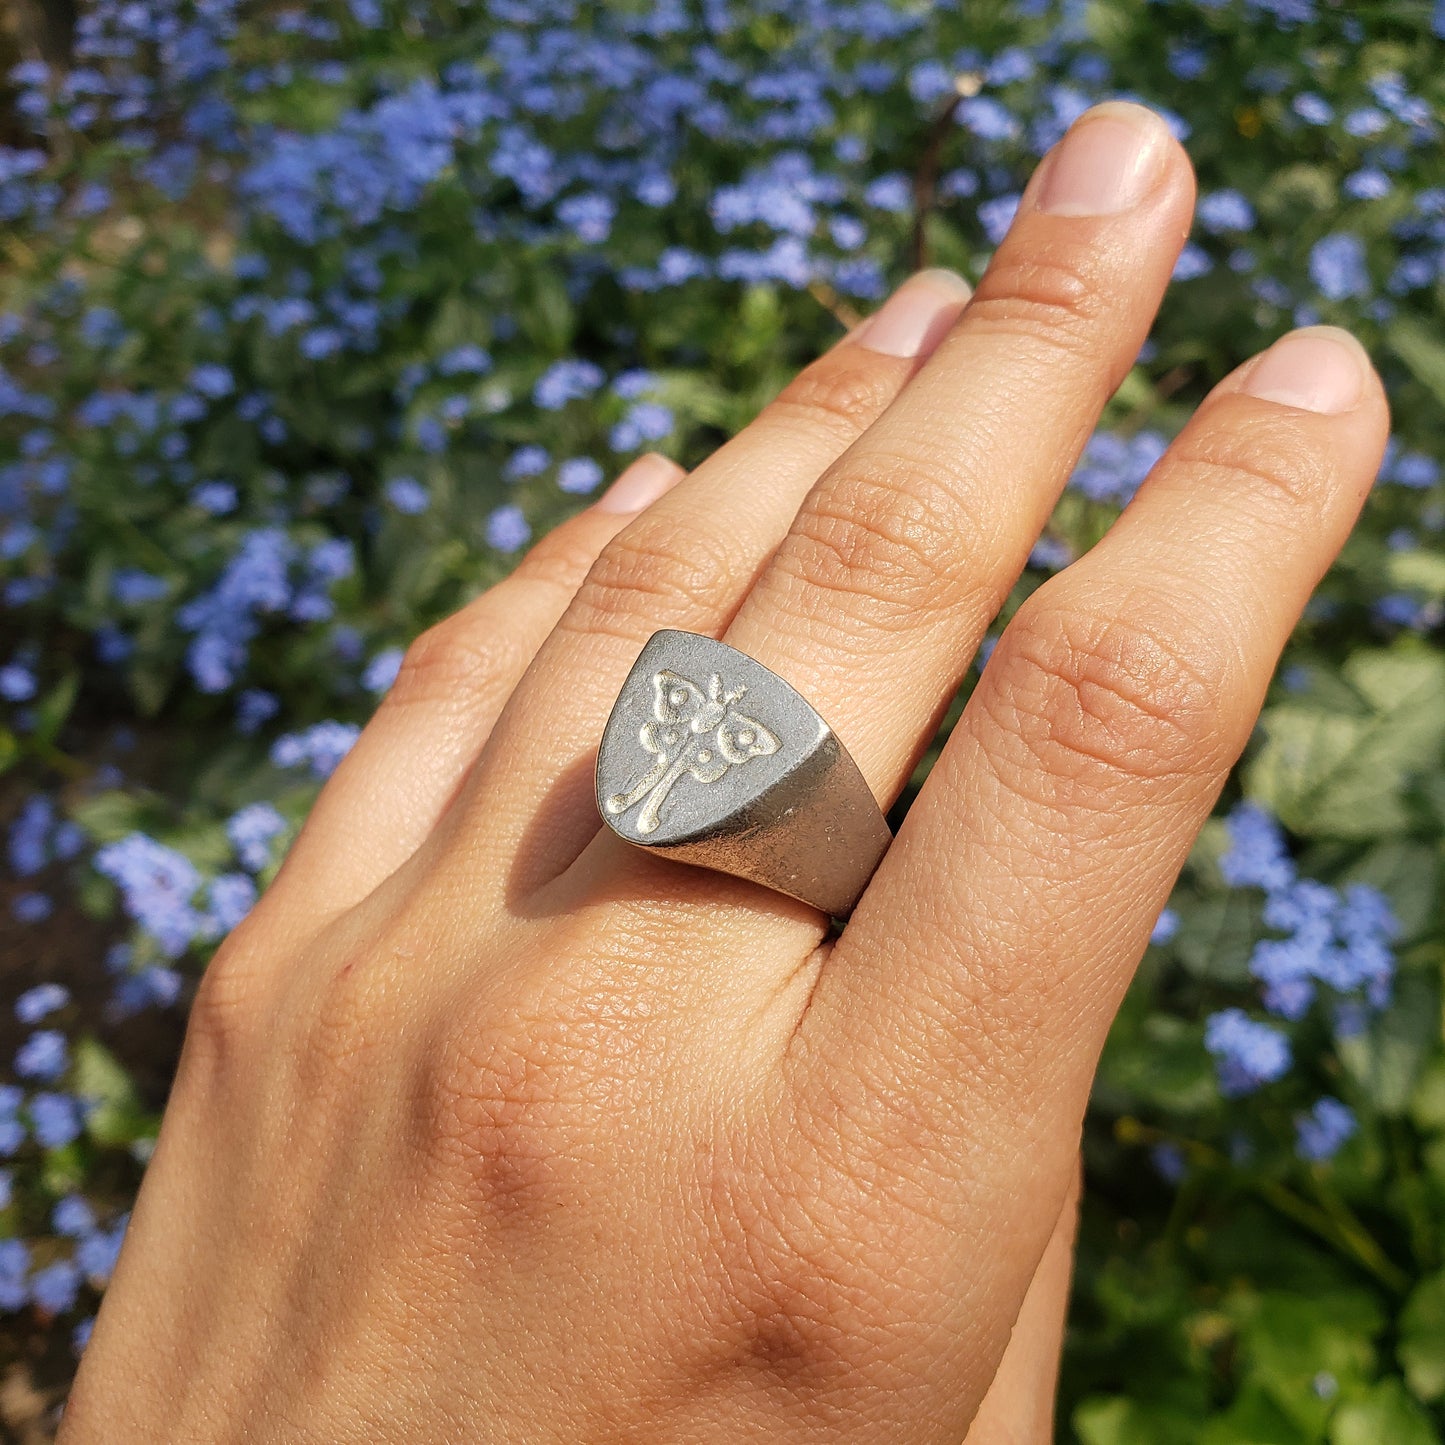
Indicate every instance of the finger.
{"type": "Point", "coordinates": [685, 563]}
{"type": "Point", "coordinates": [904, 551]}
{"type": "Point", "coordinates": [980, 974]}
{"type": "Point", "coordinates": [388, 792]}
{"type": "Point", "coordinates": [1019, 1406]}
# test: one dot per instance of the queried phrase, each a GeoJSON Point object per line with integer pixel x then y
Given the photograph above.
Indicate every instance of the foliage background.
{"type": "Point", "coordinates": [313, 315]}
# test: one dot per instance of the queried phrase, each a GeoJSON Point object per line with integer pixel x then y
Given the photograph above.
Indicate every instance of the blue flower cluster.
{"type": "Point", "coordinates": [1338, 941]}
{"type": "Point", "coordinates": [82, 1252]}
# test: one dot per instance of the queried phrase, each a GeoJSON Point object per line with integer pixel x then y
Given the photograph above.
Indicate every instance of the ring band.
{"type": "Point", "coordinates": [710, 758]}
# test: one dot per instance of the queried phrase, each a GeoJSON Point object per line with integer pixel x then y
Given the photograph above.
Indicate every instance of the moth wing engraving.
{"type": "Point", "coordinates": [740, 738]}
{"type": "Point", "coordinates": [674, 699]}
{"type": "Point", "coordinates": [692, 734]}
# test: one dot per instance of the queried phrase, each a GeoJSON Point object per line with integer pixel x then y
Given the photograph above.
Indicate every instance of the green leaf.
{"type": "Point", "coordinates": [1163, 1064]}
{"type": "Point", "coordinates": [1288, 1341]}
{"type": "Point", "coordinates": [53, 709]}
{"type": "Point", "coordinates": [1417, 570]}
{"type": "Point", "coordinates": [1417, 345]}
{"type": "Point", "coordinates": [1254, 1419]}
{"type": "Point", "coordinates": [116, 1116]}
{"type": "Point", "coordinates": [1386, 1416]}
{"type": "Point", "coordinates": [1388, 1057]}
{"type": "Point", "coordinates": [108, 817]}
{"type": "Point", "coordinates": [1427, 1106]}
{"type": "Point", "coordinates": [1119, 1421]}
{"type": "Point", "coordinates": [1422, 1338]}
{"type": "Point", "coordinates": [1217, 935]}
{"type": "Point", "coordinates": [1332, 772]}
{"type": "Point", "coordinates": [1408, 873]}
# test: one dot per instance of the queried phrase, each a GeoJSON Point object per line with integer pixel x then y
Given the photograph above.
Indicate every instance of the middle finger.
{"type": "Point", "coordinates": [905, 550]}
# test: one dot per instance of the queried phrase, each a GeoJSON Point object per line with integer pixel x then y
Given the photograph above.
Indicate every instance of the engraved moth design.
{"type": "Point", "coordinates": [692, 733]}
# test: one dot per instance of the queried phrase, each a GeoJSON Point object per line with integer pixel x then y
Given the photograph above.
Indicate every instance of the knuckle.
{"type": "Point", "coordinates": [1270, 454]}
{"type": "Point", "coordinates": [847, 389]}
{"type": "Point", "coordinates": [559, 561]}
{"type": "Point", "coordinates": [658, 568]}
{"type": "Point", "coordinates": [506, 1119]}
{"type": "Point", "coordinates": [809, 1289]}
{"type": "Point", "coordinates": [232, 998]}
{"type": "Point", "coordinates": [1051, 296]}
{"type": "Point", "coordinates": [1093, 697]}
{"type": "Point", "coordinates": [463, 655]}
{"type": "Point", "coordinates": [889, 549]}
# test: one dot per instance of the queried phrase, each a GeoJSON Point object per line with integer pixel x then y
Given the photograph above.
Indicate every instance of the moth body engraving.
{"type": "Point", "coordinates": [693, 733]}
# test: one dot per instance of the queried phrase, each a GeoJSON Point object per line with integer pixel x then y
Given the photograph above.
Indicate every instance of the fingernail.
{"type": "Point", "coordinates": [641, 484]}
{"type": "Point", "coordinates": [1106, 163]}
{"type": "Point", "coordinates": [1318, 369]}
{"type": "Point", "coordinates": [916, 317]}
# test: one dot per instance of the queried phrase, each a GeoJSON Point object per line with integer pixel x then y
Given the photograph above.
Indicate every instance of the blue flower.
{"type": "Point", "coordinates": [1169, 1162]}
{"type": "Point", "coordinates": [56, 1287]}
{"type": "Point", "coordinates": [526, 461]}
{"type": "Point", "coordinates": [589, 216]}
{"type": "Point", "coordinates": [55, 1119]}
{"type": "Point", "coordinates": [888, 193]}
{"type": "Point", "coordinates": [468, 359]}
{"type": "Point", "coordinates": [212, 380]}
{"type": "Point", "coordinates": [1247, 1053]}
{"type": "Point", "coordinates": [251, 832]}
{"type": "Point", "coordinates": [1368, 184]}
{"type": "Point", "coordinates": [1256, 856]}
{"type": "Point", "coordinates": [132, 587]}
{"type": "Point", "coordinates": [987, 118]}
{"type": "Point", "coordinates": [1338, 268]}
{"type": "Point", "coordinates": [1412, 469]}
{"type": "Point", "coordinates": [508, 529]}
{"type": "Point", "coordinates": [231, 897]}
{"type": "Point", "coordinates": [1225, 210]}
{"type": "Point", "coordinates": [381, 671]}
{"type": "Point", "coordinates": [1165, 928]}
{"type": "Point", "coordinates": [254, 707]}
{"type": "Point", "coordinates": [97, 1252]}
{"type": "Point", "coordinates": [579, 475]}
{"type": "Point", "coordinates": [321, 747]}
{"type": "Point", "coordinates": [997, 215]}
{"type": "Point", "coordinates": [72, 1216]}
{"type": "Point", "coordinates": [1314, 109]}
{"type": "Point", "coordinates": [157, 885]}
{"type": "Point", "coordinates": [566, 381]}
{"type": "Point", "coordinates": [1320, 1134]}
{"type": "Point", "coordinates": [217, 498]}
{"type": "Point", "coordinates": [646, 421]}
{"type": "Point", "coordinates": [17, 682]}
{"type": "Point", "coordinates": [30, 836]}
{"type": "Point", "coordinates": [14, 1269]}
{"type": "Point", "coordinates": [1194, 261]}
{"type": "Point", "coordinates": [31, 907]}
{"type": "Point", "coordinates": [1366, 121]}
{"type": "Point", "coordinates": [38, 1002]}
{"type": "Point", "coordinates": [407, 495]}
{"type": "Point", "coordinates": [44, 1055]}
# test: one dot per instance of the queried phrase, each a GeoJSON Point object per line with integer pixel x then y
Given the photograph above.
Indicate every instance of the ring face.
{"type": "Point", "coordinates": [711, 758]}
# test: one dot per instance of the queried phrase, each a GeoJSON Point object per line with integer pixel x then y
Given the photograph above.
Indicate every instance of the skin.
{"type": "Point", "coordinates": [489, 1127]}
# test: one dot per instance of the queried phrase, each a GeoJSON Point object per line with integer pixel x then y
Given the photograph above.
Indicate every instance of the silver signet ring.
{"type": "Point", "coordinates": [710, 758]}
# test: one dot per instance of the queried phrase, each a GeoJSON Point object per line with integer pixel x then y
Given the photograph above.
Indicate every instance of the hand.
{"type": "Point", "coordinates": [489, 1127]}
